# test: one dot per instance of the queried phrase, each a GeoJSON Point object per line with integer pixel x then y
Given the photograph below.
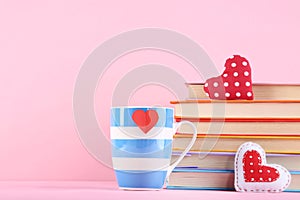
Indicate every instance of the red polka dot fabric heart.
{"type": "Point", "coordinates": [253, 174]}
{"type": "Point", "coordinates": [234, 83]}
{"type": "Point", "coordinates": [254, 171]}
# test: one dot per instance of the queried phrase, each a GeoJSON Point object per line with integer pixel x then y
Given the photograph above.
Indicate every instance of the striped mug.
{"type": "Point", "coordinates": [141, 139]}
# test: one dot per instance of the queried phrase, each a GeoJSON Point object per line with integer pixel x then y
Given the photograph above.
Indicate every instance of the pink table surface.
{"type": "Point", "coordinates": [109, 190]}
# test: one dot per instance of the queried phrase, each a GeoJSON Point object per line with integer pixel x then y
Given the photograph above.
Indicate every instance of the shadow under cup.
{"type": "Point", "coordinates": [141, 159]}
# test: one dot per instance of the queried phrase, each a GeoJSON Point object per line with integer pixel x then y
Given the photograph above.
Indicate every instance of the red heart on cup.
{"type": "Point", "coordinates": [145, 120]}
{"type": "Point", "coordinates": [234, 83]}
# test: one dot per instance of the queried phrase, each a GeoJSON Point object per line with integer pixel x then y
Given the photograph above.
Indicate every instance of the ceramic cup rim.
{"type": "Point", "coordinates": [161, 107]}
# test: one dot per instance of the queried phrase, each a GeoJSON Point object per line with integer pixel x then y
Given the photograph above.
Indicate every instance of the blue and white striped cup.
{"type": "Point", "coordinates": [141, 140]}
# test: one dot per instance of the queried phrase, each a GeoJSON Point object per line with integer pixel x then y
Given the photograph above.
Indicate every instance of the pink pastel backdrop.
{"type": "Point", "coordinates": [44, 43]}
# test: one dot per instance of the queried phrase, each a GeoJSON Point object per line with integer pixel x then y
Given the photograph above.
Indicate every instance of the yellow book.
{"type": "Point", "coordinates": [238, 109]}
{"type": "Point", "coordinates": [231, 143]}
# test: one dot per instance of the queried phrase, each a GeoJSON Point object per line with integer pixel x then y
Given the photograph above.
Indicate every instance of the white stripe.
{"type": "Point", "coordinates": [140, 163]}
{"type": "Point", "coordinates": [121, 116]}
{"type": "Point", "coordinates": [137, 133]}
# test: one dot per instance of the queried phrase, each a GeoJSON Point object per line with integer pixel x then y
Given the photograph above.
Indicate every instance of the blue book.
{"type": "Point", "coordinates": [192, 178]}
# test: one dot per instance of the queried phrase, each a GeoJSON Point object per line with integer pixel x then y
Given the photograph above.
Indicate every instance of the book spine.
{"type": "Point", "coordinates": [179, 118]}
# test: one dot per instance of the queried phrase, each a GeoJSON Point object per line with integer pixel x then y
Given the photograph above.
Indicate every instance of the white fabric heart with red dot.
{"type": "Point", "coordinates": [253, 174]}
{"type": "Point", "coordinates": [234, 83]}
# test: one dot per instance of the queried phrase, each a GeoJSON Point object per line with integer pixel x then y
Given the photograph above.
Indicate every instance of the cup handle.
{"type": "Point", "coordinates": [171, 168]}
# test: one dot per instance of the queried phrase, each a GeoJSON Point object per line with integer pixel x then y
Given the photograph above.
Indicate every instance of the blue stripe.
{"type": "Point", "coordinates": [295, 172]}
{"type": "Point", "coordinates": [142, 148]}
{"type": "Point", "coordinates": [140, 179]}
{"type": "Point", "coordinates": [292, 190]}
{"type": "Point", "coordinates": [115, 117]}
{"type": "Point", "coordinates": [165, 117]}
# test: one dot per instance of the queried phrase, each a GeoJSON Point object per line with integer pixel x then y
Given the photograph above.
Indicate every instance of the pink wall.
{"type": "Point", "coordinates": [44, 43]}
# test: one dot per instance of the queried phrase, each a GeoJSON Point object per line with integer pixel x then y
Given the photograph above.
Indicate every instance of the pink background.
{"type": "Point", "coordinates": [44, 43]}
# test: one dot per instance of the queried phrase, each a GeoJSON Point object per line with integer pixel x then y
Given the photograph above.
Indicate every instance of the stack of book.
{"type": "Point", "coordinates": [272, 120]}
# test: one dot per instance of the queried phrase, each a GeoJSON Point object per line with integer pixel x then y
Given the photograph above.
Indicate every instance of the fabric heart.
{"type": "Point", "coordinates": [234, 83]}
{"type": "Point", "coordinates": [254, 171]}
{"type": "Point", "coordinates": [145, 120]}
{"type": "Point", "coordinates": [253, 174]}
